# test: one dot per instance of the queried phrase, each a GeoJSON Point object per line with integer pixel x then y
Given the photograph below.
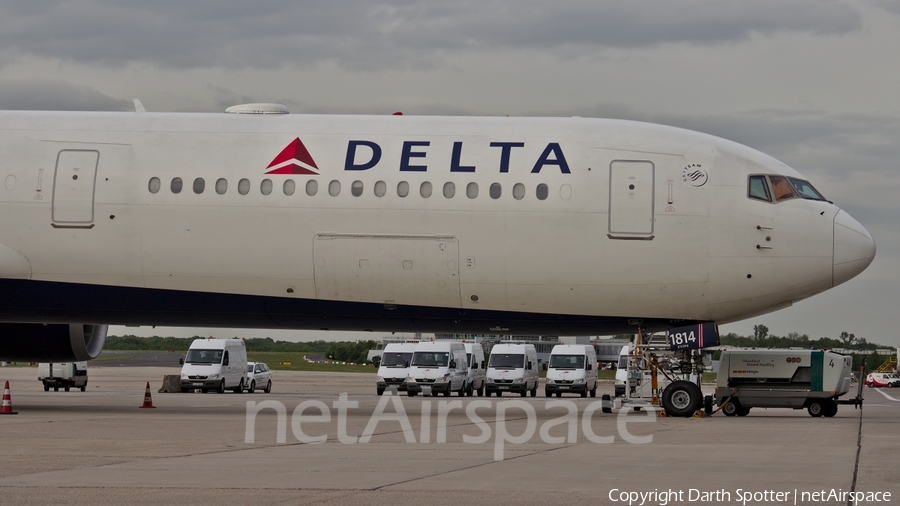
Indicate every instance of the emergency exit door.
{"type": "Point", "coordinates": [73, 188]}
{"type": "Point", "coordinates": [631, 191]}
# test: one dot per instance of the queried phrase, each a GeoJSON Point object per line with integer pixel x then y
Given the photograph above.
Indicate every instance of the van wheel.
{"type": "Point", "coordinates": [594, 391]}
{"type": "Point", "coordinates": [67, 388]}
{"type": "Point", "coordinates": [240, 388]}
{"type": "Point", "coordinates": [471, 390]}
{"type": "Point", "coordinates": [462, 391]}
{"type": "Point", "coordinates": [499, 393]}
{"type": "Point", "coordinates": [221, 388]}
{"type": "Point", "coordinates": [547, 393]}
{"type": "Point", "coordinates": [46, 387]}
{"type": "Point", "coordinates": [56, 389]}
{"type": "Point", "coordinates": [481, 390]}
{"type": "Point", "coordinates": [252, 386]}
{"type": "Point", "coordinates": [559, 394]}
{"type": "Point", "coordinates": [524, 393]}
{"type": "Point", "coordinates": [268, 388]}
{"type": "Point", "coordinates": [84, 387]}
{"type": "Point", "coordinates": [584, 392]}
{"type": "Point", "coordinates": [447, 393]}
{"type": "Point", "coordinates": [534, 390]}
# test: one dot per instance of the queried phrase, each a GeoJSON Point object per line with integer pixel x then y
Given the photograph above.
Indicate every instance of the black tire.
{"type": "Point", "coordinates": [732, 408]}
{"type": "Point", "coordinates": [594, 391]}
{"type": "Point", "coordinates": [46, 387]}
{"type": "Point", "coordinates": [66, 388]}
{"type": "Point", "coordinates": [816, 409]}
{"type": "Point", "coordinates": [524, 392]}
{"type": "Point", "coordinates": [84, 387]}
{"type": "Point", "coordinates": [204, 390]}
{"type": "Point", "coordinates": [487, 392]}
{"type": "Point", "coordinates": [462, 391]}
{"type": "Point", "coordinates": [584, 392]}
{"type": "Point", "coordinates": [534, 390]}
{"type": "Point", "coordinates": [481, 390]}
{"type": "Point", "coordinates": [240, 388]}
{"type": "Point", "coordinates": [743, 412]}
{"type": "Point", "coordinates": [682, 398]}
{"type": "Point", "coordinates": [448, 392]}
{"type": "Point", "coordinates": [184, 390]}
{"type": "Point", "coordinates": [268, 388]}
{"type": "Point", "coordinates": [410, 393]}
{"type": "Point", "coordinates": [606, 403]}
{"type": "Point", "coordinates": [471, 390]}
{"type": "Point", "coordinates": [499, 393]}
{"type": "Point", "coordinates": [558, 393]}
{"type": "Point", "coordinates": [221, 388]}
{"type": "Point", "coordinates": [253, 387]}
{"type": "Point", "coordinates": [708, 404]}
{"type": "Point", "coordinates": [831, 409]}
{"type": "Point", "coordinates": [547, 393]}
{"type": "Point", "coordinates": [56, 389]}
{"type": "Point", "coordinates": [380, 391]}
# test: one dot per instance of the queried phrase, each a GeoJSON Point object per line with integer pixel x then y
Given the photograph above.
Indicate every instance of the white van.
{"type": "Point", "coordinates": [512, 368]}
{"type": "Point", "coordinates": [215, 364]}
{"type": "Point", "coordinates": [477, 368]}
{"type": "Point", "coordinates": [63, 374]}
{"type": "Point", "coordinates": [572, 368]}
{"type": "Point", "coordinates": [438, 366]}
{"type": "Point", "coordinates": [394, 367]}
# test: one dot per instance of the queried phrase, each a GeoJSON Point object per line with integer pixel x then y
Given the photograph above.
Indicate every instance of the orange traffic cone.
{"type": "Point", "coordinates": [147, 402]}
{"type": "Point", "coordinates": [6, 406]}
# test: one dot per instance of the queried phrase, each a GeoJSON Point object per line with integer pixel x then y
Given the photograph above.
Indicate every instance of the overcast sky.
{"type": "Point", "coordinates": [815, 83]}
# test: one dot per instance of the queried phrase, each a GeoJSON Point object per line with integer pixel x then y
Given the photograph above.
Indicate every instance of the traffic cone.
{"type": "Point", "coordinates": [6, 407]}
{"type": "Point", "coordinates": [147, 402]}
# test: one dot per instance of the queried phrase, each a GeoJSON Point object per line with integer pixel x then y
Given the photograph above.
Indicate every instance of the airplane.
{"type": "Point", "coordinates": [476, 225]}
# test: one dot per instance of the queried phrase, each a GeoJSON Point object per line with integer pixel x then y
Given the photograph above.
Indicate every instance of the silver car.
{"type": "Point", "coordinates": [258, 373]}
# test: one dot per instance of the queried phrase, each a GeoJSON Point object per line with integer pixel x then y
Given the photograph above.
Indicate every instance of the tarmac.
{"type": "Point", "coordinates": [98, 447]}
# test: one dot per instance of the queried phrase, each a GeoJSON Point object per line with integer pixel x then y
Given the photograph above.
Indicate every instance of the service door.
{"type": "Point", "coordinates": [73, 188]}
{"type": "Point", "coordinates": [631, 199]}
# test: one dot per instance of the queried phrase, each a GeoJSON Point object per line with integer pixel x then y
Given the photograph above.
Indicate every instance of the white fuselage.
{"type": "Point", "coordinates": [373, 223]}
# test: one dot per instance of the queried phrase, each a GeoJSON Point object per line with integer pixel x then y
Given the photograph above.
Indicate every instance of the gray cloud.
{"type": "Point", "coordinates": [398, 34]}
{"type": "Point", "coordinates": [56, 95]}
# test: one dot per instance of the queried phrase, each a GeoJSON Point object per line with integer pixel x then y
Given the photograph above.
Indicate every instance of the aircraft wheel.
{"type": "Point", "coordinates": [682, 398]}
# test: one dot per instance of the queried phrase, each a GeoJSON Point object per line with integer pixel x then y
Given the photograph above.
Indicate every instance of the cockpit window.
{"type": "Point", "coordinates": [806, 190]}
{"type": "Point", "coordinates": [782, 188]}
{"type": "Point", "coordinates": [759, 188]}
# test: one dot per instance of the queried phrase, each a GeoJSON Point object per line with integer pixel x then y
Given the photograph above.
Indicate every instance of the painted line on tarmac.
{"type": "Point", "coordinates": [886, 395]}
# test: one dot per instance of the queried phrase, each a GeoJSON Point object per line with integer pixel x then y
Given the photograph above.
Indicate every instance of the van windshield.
{"type": "Point", "coordinates": [507, 361]}
{"type": "Point", "coordinates": [197, 356]}
{"type": "Point", "coordinates": [566, 361]}
{"type": "Point", "coordinates": [430, 359]}
{"type": "Point", "coordinates": [396, 358]}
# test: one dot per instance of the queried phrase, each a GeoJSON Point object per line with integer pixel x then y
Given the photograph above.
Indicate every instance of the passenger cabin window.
{"type": "Point", "coordinates": [334, 188]}
{"type": "Point", "coordinates": [153, 186]}
{"type": "Point", "coordinates": [472, 190]}
{"type": "Point", "coordinates": [176, 185]}
{"type": "Point", "coordinates": [518, 191]}
{"type": "Point", "coordinates": [542, 191]}
{"type": "Point", "coordinates": [199, 185]}
{"type": "Point", "coordinates": [289, 187]}
{"type": "Point", "coordinates": [495, 191]}
{"type": "Point", "coordinates": [759, 188]}
{"type": "Point", "coordinates": [425, 190]}
{"type": "Point", "coordinates": [221, 186]}
{"type": "Point", "coordinates": [449, 190]}
{"type": "Point", "coordinates": [312, 187]}
{"type": "Point", "coordinates": [380, 188]}
{"type": "Point", "coordinates": [244, 186]}
{"type": "Point", "coordinates": [402, 189]}
{"type": "Point", "coordinates": [356, 188]}
{"type": "Point", "coordinates": [265, 187]}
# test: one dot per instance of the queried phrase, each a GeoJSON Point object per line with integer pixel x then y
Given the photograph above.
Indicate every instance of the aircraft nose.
{"type": "Point", "coordinates": [854, 248]}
